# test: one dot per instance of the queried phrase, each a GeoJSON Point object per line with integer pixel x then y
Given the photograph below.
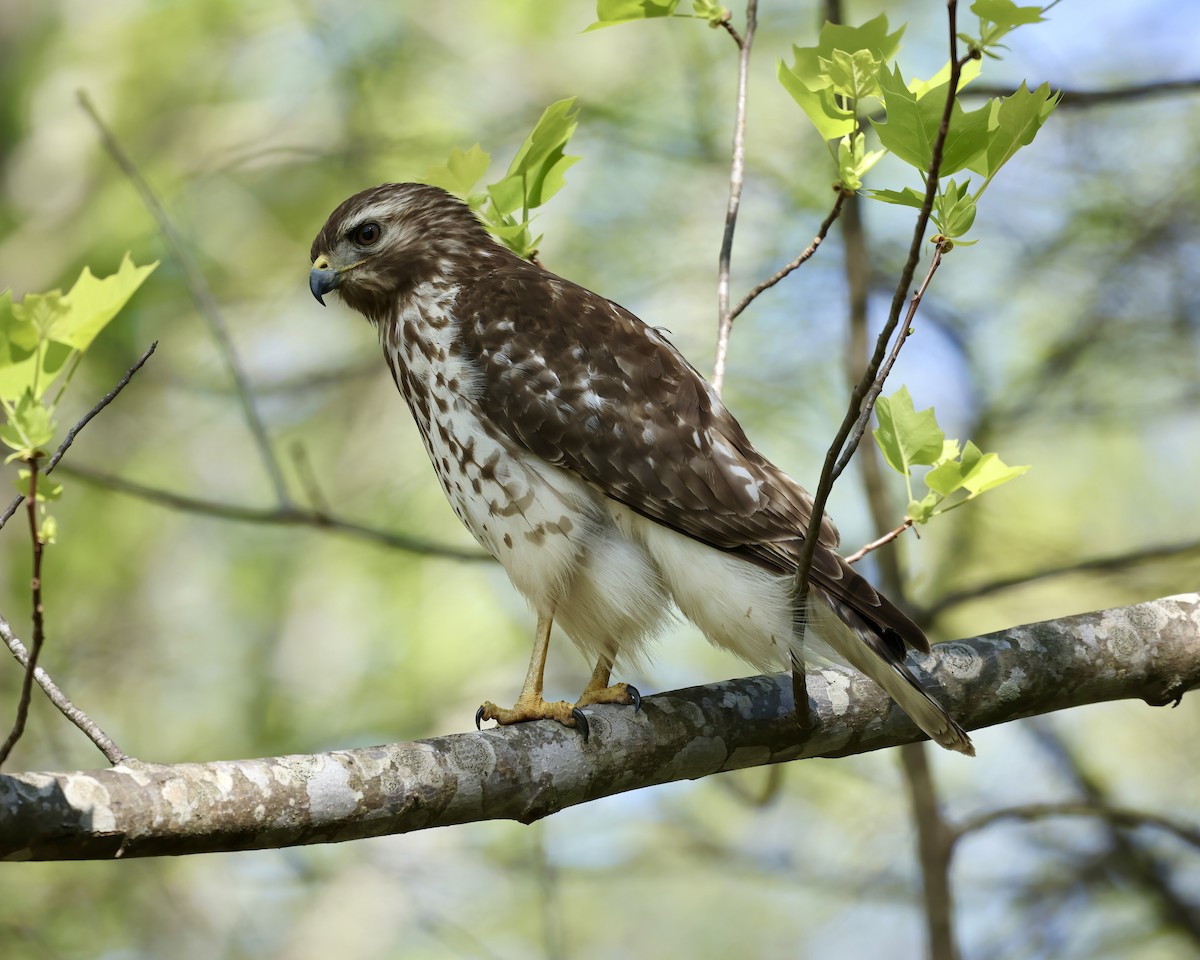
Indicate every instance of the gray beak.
{"type": "Point", "coordinates": [322, 279]}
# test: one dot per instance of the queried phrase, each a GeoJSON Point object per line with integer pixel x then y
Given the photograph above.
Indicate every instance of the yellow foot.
{"type": "Point", "coordinates": [565, 713]}
{"type": "Point", "coordinates": [617, 693]}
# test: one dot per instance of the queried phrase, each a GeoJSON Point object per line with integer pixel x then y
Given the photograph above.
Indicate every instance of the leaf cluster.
{"type": "Point", "coordinates": [850, 79]}
{"type": "Point", "coordinates": [537, 172]}
{"type": "Point", "coordinates": [912, 438]}
{"type": "Point", "coordinates": [42, 336]}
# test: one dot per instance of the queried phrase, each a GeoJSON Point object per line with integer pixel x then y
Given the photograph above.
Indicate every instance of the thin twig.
{"type": "Point", "coordinates": [91, 729]}
{"type": "Point", "coordinates": [83, 422]}
{"type": "Point", "coordinates": [794, 264]}
{"type": "Point", "coordinates": [1117, 816]}
{"type": "Point", "coordinates": [876, 544]}
{"type": "Point", "coordinates": [737, 177]}
{"type": "Point", "coordinates": [308, 479]}
{"type": "Point", "coordinates": [201, 294]}
{"type": "Point", "coordinates": [39, 630]}
{"type": "Point", "coordinates": [864, 416]}
{"type": "Point", "coordinates": [727, 23]}
{"type": "Point", "coordinates": [858, 400]}
{"type": "Point", "coordinates": [277, 516]}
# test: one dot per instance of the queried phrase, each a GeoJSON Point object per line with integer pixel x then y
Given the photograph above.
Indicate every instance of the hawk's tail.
{"type": "Point", "coordinates": [871, 634]}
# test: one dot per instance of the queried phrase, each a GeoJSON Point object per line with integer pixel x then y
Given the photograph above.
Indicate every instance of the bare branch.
{"type": "Point", "coordinates": [794, 264]}
{"type": "Point", "coordinates": [1117, 816]}
{"type": "Point", "coordinates": [737, 176]}
{"type": "Point", "coordinates": [876, 544]}
{"type": "Point", "coordinates": [201, 295]}
{"type": "Point", "coordinates": [528, 771]}
{"type": "Point", "coordinates": [277, 516]}
{"type": "Point", "coordinates": [1111, 564]}
{"type": "Point", "coordinates": [1075, 99]}
{"type": "Point", "coordinates": [102, 740]}
{"type": "Point", "coordinates": [83, 422]}
{"type": "Point", "coordinates": [39, 630]}
{"type": "Point", "coordinates": [864, 416]}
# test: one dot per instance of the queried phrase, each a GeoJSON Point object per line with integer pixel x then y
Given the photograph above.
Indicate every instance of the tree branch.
{"type": "Point", "coordinates": [1115, 563]}
{"type": "Point", "coordinates": [90, 728]}
{"type": "Point", "coordinates": [278, 516]}
{"type": "Point", "coordinates": [201, 295]}
{"type": "Point", "coordinates": [737, 176]}
{"type": "Point", "coordinates": [525, 772]}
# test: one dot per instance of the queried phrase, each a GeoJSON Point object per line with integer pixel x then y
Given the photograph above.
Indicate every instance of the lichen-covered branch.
{"type": "Point", "coordinates": [1150, 651]}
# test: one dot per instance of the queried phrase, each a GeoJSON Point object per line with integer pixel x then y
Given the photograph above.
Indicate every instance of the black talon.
{"type": "Point", "coordinates": [478, 718]}
{"type": "Point", "coordinates": [635, 696]}
{"type": "Point", "coordinates": [581, 723]}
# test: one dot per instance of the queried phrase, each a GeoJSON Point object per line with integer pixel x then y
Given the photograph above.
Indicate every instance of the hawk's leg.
{"type": "Point", "coordinates": [530, 705]}
{"type": "Point", "coordinates": [598, 690]}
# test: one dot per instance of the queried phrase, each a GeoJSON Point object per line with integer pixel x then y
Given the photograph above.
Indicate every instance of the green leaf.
{"type": "Point", "coordinates": [854, 75]}
{"type": "Point", "coordinates": [461, 171]}
{"type": "Point", "coordinates": [611, 12]}
{"type": "Point", "coordinates": [968, 72]}
{"type": "Point", "coordinates": [92, 303]}
{"type": "Point", "coordinates": [536, 173]}
{"type": "Point", "coordinates": [911, 125]}
{"type": "Point", "coordinates": [871, 35]}
{"type": "Point", "coordinates": [987, 471]}
{"type": "Point", "coordinates": [1006, 14]}
{"type": "Point", "coordinates": [837, 66]}
{"type": "Point", "coordinates": [854, 161]}
{"type": "Point", "coordinates": [919, 511]}
{"type": "Point", "coordinates": [945, 478]}
{"type": "Point", "coordinates": [831, 120]}
{"type": "Point", "coordinates": [905, 436]}
{"type": "Point", "coordinates": [711, 11]}
{"type": "Point", "coordinates": [29, 429]}
{"type": "Point", "coordinates": [908, 197]}
{"type": "Point", "coordinates": [954, 210]}
{"type": "Point", "coordinates": [1013, 122]}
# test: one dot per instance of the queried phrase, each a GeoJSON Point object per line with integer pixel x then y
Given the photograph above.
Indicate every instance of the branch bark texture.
{"type": "Point", "coordinates": [1150, 651]}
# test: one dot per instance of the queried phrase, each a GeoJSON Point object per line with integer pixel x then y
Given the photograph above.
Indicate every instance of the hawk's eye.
{"type": "Point", "coordinates": [367, 234]}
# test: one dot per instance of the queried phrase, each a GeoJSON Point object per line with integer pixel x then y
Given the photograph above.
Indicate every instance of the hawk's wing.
{"type": "Point", "coordinates": [585, 384]}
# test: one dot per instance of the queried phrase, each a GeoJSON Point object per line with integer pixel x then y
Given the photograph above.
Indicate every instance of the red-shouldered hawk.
{"type": "Point", "coordinates": [590, 458]}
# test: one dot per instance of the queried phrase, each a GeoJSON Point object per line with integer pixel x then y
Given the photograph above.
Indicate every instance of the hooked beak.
{"type": "Point", "coordinates": [322, 278]}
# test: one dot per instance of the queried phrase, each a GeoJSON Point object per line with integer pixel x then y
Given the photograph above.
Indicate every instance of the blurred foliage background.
{"type": "Point", "coordinates": [1069, 338]}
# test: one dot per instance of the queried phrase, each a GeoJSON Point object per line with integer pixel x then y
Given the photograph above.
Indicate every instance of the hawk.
{"type": "Point", "coordinates": [594, 462]}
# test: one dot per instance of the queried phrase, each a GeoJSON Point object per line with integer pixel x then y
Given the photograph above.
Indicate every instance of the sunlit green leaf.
{"type": "Point", "coordinates": [908, 197]}
{"type": "Point", "coordinates": [1013, 122]}
{"type": "Point", "coordinates": [831, 120]}
{"type": "Point", "coordinates": [919, 511]}
{"type": "Point", "coordinates": [954, 210]}
{"type": "Point", "coordinates": [809, 80]}
{"type": "Point", "coordinates": [1005, 13]}
{"type": "Point", "coordinates": [611, 12]}
{"type": "Point", "coordinates": [906, 436]}
{"type": "Point", "coordinates": [94, 302]}
{"type": "Point", "coordinates": [854, 75]}
{"type": "Point", "coordinates": [461, 171]}
{"type": "Point", "coordinates": [969, 71]}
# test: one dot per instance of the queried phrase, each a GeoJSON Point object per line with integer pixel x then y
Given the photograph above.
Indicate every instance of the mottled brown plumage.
{"type": "Point", "coordinates": [592, 460]}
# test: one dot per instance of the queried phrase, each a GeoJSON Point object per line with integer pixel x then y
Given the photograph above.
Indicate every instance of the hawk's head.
{"type": "Point", "coordinates": [380, 244]}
